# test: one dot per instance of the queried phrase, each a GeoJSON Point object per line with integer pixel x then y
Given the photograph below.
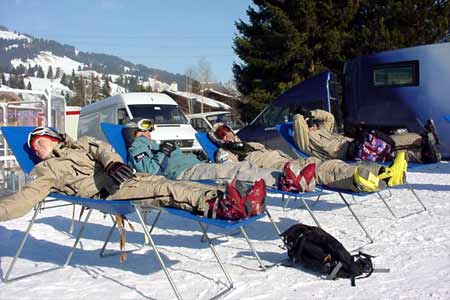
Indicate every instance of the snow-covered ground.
{"type": "Point", "coordinates": [415, 247]}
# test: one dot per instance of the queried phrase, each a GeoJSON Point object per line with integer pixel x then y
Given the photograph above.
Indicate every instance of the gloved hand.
{"type": "Point", "coordinates": [167, 148]}
{"type": "Point", "coordinates": [120, 172]}
{"type": "Point", "coordinates": [201, 156]}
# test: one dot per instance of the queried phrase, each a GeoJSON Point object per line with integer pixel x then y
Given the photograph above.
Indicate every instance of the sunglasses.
{"type": "Point", "coordinates": [145, 125]}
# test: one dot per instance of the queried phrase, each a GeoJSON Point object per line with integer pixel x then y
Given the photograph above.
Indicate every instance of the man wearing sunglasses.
{"type": "Point", "coordinates": [90, 168]}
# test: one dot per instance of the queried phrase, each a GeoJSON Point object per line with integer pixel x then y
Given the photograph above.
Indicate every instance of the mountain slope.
{"type": "Point", "coordinates": [16, 48]}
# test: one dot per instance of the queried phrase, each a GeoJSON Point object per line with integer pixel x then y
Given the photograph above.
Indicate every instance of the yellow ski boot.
{"type": "Point", "coordinates": [367, 181]}
{"type": "Point", "coordinates": [396, 172]}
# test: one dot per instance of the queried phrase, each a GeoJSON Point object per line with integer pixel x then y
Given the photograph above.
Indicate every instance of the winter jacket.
{"type": "Point", "coordinates": [322, 143]}
{"type": "Point", "coordinates": [74, 168]}
{"type": "Point", "coordinates": [144, 156]}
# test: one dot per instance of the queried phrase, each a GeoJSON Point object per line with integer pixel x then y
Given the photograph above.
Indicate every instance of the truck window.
{"type": "Point", "coordinates": [122, 116]}
{"type": "Point", "coordinates": [160, 114]}
{"type": "Point", "coordinates": [397, 74]}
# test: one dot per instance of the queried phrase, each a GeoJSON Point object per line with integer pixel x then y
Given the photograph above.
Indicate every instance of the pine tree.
{"type": "Point", "coordinates": [21, 84]}
{"type": "Point", "coordinates": [80, 91]}
{"type": "Point", "coordinates": [106, 89]}
{"type": "Point", "coordinates": [63, 79]}
{"type": "Point", "coordinates": [2, 79]}
{"type": "Point", "coordinates": [40, 72]}
{"type": "Point", "coordinates": [288, 41]}
{"type": "Point", "coordinates": [50, 72]}
{"type": "Point", "coordinates": [93, 93]}
{"type": "Point", "coordinates": [30, 71]}
{"type": "Point", "coordinates": [58, 72]}
{"type": "Point", "coordinates": [29, 86]}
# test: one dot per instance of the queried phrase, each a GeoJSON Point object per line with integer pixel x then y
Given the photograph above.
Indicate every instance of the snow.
{"type": "Point", "coordinates": [8, 35]}
{"type": "Point", "coordinates": [11, 47]}
{"type": "Point", "coordinates": [415, 247]}
{"type": "Point", "coordinates": [46, 59]}
{"type": "Point", "coordinates": [42, 84]}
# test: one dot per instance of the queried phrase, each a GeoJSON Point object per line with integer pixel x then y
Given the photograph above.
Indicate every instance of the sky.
{"type": "Point", "coordinates": [171, 35]}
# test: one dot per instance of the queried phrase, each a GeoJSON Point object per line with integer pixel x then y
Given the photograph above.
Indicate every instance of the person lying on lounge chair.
{"type": "Point", "coordinates": [333, 173]}
{"type": "Point", "coordinates": [313, 134]}
{"type": "Point", "coordinates": [90, 168]}
{"type": "Point", "coordinates": [145, 155]}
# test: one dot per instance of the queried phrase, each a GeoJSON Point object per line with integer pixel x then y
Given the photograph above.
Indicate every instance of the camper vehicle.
{"type": "Point", "coordinates": [203, 122]}
{"type": "Point", "coordinates": [170, 122]}
{"type": "Point", "coordinates": [397, 89]}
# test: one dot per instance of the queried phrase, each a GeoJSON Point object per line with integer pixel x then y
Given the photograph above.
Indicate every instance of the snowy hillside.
{"type": "Point", "coordinates": [415, 247]}
{"type": "Point", "coordinates": [46, 59]}
{"type": "Point", "coordinates": [8, 35]}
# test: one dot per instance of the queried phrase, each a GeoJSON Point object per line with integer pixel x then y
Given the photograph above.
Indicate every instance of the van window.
{"type": "Point", "coordinates": [397, 74]}
{"type": "Point", "coordinates": [122, 116]}
{"type": "Point", "coordinates": [160, 114]}
{"type": "Point", "coordinates": [200, 125]}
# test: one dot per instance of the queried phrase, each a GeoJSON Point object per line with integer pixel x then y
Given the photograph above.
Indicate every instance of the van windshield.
{"type": "Point", "coordinates": [159, 114]}
{"type": "Point", "coordinates": [228, 119]}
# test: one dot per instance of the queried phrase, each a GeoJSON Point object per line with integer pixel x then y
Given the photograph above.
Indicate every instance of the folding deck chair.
{"type": "Point", "coordinates": [17, 140]}
{"type": "Point", "coordinates": [287, 132]}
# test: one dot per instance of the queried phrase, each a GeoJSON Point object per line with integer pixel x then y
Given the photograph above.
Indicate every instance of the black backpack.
{"type": "Point", "coordinates": [317, 250]}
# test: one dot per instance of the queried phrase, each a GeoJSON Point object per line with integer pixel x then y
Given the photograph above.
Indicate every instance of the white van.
{"type": "Point", "coordinates": [170, 122]}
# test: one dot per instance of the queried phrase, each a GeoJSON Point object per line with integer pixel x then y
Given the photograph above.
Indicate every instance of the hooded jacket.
{"type": "Point", "coordinates": [75, 168]}
{"type": "Point", "coordinates": [144, 156]}
{"type": "Point", "coordinates": [322, 143]}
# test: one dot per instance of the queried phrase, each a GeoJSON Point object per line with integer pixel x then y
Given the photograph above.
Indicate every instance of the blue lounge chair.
{"type": "Point", "coordinates": [210, 148]}
{"type": "Point", "coordinates": [16, 138]}
{"type": "Point", "coordinates": [287, 132]}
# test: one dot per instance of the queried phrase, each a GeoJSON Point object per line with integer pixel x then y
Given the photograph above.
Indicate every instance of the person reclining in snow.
{"type": "Point", "coordinates": [145, 155]}
{"type": "Point", "coordinates": [313, 134]}
{"type": "Point", "coordinates": [333, 173]}
{"type": "Point", "coordinates": [90, 168]}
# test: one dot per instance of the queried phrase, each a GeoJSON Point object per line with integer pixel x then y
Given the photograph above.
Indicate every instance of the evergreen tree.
{"type": "Point", "coordinates": [80, 91]}
{"type": "Point", "coordinates": [58, 72]}
{"type": "Point", "coordinates": [29, 86]}
{"type": "Point", "coordinates": [40, 72]}
{"type": "Point", "coordinates": [2, 79]}
{"type": "Point", "coordinates": [63, 79]}
{"type": "Point", "coordinates": [93, 93]}
{"type": "Point", "coordinates": [106, 89]}
{"type": "Point", "coordinates": [21, 84]}
{"type": "Point", "coordinates": [50, 72]}
{"type": "Point", "coordinates": [67, 97]}
{"type": "Point", "coordinates": [73, 73]}
{"type": "Point", "coordinates": [288, 41]}
{"type": "Point", "coordinates": [31, 71]}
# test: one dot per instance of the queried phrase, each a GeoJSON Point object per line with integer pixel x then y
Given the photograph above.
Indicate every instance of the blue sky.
{"type": "Point", "coordinates": [166, 34]}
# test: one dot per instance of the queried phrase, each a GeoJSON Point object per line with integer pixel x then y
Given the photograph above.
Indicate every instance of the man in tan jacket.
{"type": "Point", "coordinates": [313, 134]}
{"type": "Point", "coordinates": [90, 168]}
{"type": "Point", "coordinates": [333, 173]}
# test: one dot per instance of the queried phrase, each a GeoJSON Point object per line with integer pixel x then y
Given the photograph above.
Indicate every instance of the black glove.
{"type": "Point", "coordinates": [238, 146]}
{"type": "Point", "coordinates": [120, 172]}
{"type": "Point", "coordinates": [201, 156]}
{"type": "Point", "coordinates": [167, 148]}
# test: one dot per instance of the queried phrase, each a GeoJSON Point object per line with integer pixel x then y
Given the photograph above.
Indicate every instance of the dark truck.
{"type": "Point", "coordinates": [397, 89]}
